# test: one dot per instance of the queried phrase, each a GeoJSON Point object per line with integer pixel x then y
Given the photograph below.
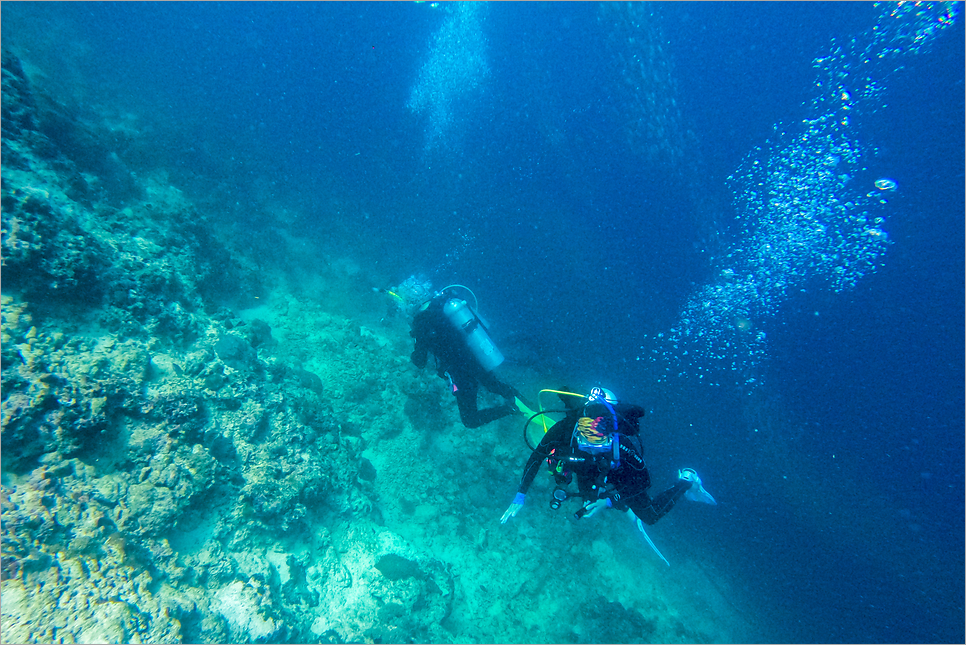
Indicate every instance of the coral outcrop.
{"type": "Point", "coordinates": [190, 456]}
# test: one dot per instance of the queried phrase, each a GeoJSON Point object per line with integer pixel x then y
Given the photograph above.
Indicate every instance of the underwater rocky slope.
{"type": "Point", "coordinates": [195, 451]}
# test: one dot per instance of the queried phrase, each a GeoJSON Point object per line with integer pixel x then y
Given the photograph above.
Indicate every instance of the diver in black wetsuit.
{"type": "Point", "coordinates": [598, 442]}
{"type": "Point", "coordinates": [452, 345]}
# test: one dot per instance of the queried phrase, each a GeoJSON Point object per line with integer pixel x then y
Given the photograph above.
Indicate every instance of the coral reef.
{"type": "Point", "coordinates": [178, 468]}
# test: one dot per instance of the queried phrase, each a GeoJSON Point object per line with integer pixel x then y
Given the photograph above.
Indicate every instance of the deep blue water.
{"type": "Point", "coordinates": [584, 208]}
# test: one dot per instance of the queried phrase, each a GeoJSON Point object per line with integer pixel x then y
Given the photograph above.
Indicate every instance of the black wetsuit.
{"type": "Point", "coordinates": [435, 334]}
{"type": "Point", "coordinates": [597, 477]}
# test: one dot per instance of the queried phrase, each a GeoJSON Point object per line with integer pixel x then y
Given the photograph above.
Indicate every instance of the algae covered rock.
{"type": "Point", "coordinates": [235, 352]}
{"type": "Point", "coordinates": [380, 590]}
{"type": "Point", "coordinates": [241, 605]}
{"type": "Point", "coordinates": [65, 396]}
{"type": "Point", "coordinates": [18, 101]}
{"type": "Point", "coordinates": [395, 567]}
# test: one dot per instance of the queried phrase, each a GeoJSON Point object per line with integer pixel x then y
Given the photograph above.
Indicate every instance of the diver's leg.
{"type": "Point", "coordinates": [466, 390]}
{"type": "Point", "coordinates": [661, 504]}
{"type": "Point", "coordinates": [508, 392]}
{"type": "Point", "coordinates": [472, 417]}
{"type": "Point", "coordinates": [495, 385]}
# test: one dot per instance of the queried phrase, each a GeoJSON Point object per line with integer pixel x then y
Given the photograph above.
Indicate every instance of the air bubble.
{"type": "Point", "coordinates": [802, 218]}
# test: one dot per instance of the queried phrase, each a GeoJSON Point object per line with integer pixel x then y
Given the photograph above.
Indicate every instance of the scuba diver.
{"type": "Point", "coordinates": [447, 327]}
{"type": "Point", "coordinates": [598, 442]}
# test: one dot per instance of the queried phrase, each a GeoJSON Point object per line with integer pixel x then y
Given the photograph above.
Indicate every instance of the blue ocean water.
{"type": "Point", "coordinates": [677, 201]}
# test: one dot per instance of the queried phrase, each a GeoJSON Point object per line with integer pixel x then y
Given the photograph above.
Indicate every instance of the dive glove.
{"type": "Point", "coordinates": [596, 505]}
{"type": "Point", "coordinates": [514, 507]}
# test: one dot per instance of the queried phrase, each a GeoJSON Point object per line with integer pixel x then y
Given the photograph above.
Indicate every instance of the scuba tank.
{"type": "Point", "coordinates": [474, 333]}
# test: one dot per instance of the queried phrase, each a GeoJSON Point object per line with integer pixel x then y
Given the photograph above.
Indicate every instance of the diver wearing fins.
{"type": "Point", "coordinates": [598, 443]}
{"type": "Point", "coordinates": [450, 329]}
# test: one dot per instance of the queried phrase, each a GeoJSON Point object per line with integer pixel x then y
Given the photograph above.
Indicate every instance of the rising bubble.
{"type": "Point", "coordinates": [454, 72]}
{"type": "Point", "coordinates": [802, 219]}
{"type": "Point", "coordinates": [885, 184]}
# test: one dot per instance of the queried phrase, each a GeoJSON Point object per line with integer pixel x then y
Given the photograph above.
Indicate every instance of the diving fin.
{"type": "Point", "coordinates": [640, 527]}
{"type": "Point", "coordinates": [522, 407]}
{"type": "Point", "coordinates": [696, 493]}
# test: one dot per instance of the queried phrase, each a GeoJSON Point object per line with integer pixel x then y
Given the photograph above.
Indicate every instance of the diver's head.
{"type": "Point", "coordinates": [411, 294]}
{"type": "Point", "coordinates": [612, 416]}
{"type": "Point", "coordinates": [594, 432]}
{"type": "Point", "coordinates": [601, 394]}
{"type": "Point", "coordinates": [598, 421]}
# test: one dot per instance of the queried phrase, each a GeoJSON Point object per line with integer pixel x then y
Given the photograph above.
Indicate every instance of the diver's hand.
{"type": "Point", "coordinates": [591, 508]}
{"type": "Point", "coordinates": [514, 507]}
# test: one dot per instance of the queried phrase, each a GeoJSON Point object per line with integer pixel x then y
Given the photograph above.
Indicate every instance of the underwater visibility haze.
{"type": "Point", "coordinates": [747, 218]}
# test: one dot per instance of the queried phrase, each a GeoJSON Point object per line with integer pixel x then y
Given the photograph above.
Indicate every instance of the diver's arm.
{"type": "Point", "coordinates": [556, 437]}
{"type": "Point", "coordinates": [420, 352]}
{"type": "Point", "coordinates": [550, 440]}
{"type": "Point", "coordinates": [419, 356]}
